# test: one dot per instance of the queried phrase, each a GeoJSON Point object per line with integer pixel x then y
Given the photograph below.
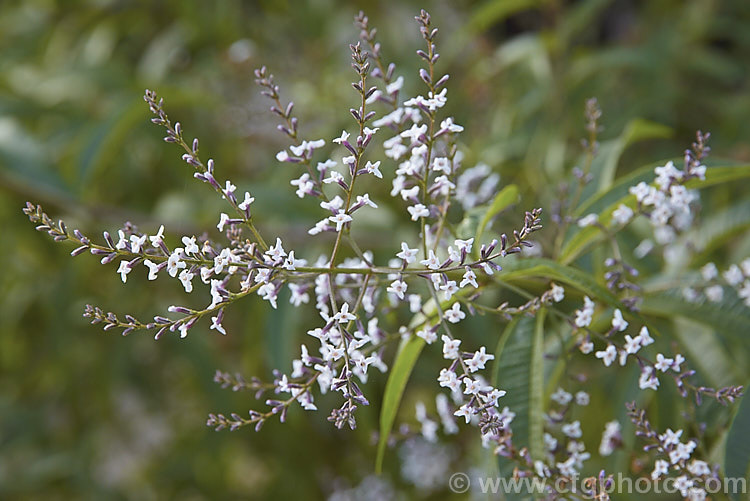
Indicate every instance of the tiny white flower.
{"type": "Point", "coordinates": [174, 263]}
{"type": "Point", "coordinates": [608, 355]}
{"type": "Point", "coordinates": [557, 293]}
{"type": "Point", "coordinates": [159, 237]}
{"type": "Point", "coordinates": [340, 219]}
{"type": "Point", "coordinates": [190, 246]}
{"type": "Point", "coordinates": [153, 269]}
{"type": "Point", "coordinates": [582, 398]}
{"type": "Point", "coordinates": [246, 202]}
{"type": "Point", "coordinates": [644, 337]}
{"type": "Point", "coordinates": [588, 220]}
{"type": "Point", "coordinates": [622, 214]}
{"type": "Point", "coordinates": [407, 254]}
{"type": "Point", "coordinates": [222, 221]}
{"type": "Point", "coordinates": [136, 243]}
{"type": "Point", "coordinates": [464, 411]}
{"type": "Point", "coordinates": [469, 278]}
{"type": "Point", "coordinates": [455, 315]}
{"type": "Point", "coordinates": [417, 211]}
{"type": "Point", "coordinates": [632, 345]}
{"type": "Point", "coordinates": [619, 323]}
{"type": "Point", "coordinates": [449, 288]}
{"type": "Point", "coordinates": [365, 200]}
{"type": "Point", "coordinates": [343, 137]}
{"type": "Point", "coordinates": [215, 324]}
{"type": "Point", "coordinates": [561, 396]}
{"type": "Point", "coordinates": [450, 347]}
{"type": "Point", "coordinates": [123, 270]}
{"type": "Point", "coordinates": [398, 287]}
{"type": "Point", "coordinates": [374, 169]}
{"type": "Point", "coordinates": [432, 261]}
{"type": "Point", "coordinates": [186, 278]}
{"type": "Point", "coordinates": [662, 363]}
{"type": "Point", "coordinates": [343, 315]}
{"type": "Point", "coordinates": [428, 335]}
{"type": "Point", "coordinates": [572, 430]}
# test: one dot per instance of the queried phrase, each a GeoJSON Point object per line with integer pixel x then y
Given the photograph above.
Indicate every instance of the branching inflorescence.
{"type": "Point", "coordinates": [438, 276]}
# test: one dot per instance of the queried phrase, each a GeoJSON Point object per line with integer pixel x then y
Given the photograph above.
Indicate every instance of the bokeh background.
{"type": "Point", "coordinates": [92, 415]}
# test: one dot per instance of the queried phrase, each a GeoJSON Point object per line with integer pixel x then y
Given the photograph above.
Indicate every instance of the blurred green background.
{"type": "Point", "coordinates": [92, 415]}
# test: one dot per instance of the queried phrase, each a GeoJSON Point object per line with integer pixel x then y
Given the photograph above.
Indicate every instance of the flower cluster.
{"type": "Point", "coordinates": [430, 284]}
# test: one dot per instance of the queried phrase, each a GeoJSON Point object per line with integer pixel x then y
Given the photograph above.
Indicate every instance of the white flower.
{"type": "Point", "coordinates": [586, 347]}
{"type": "Point", "coordinates": [304, 185]}
{"type": "Point", "coordinates": [365, 200]}
{"type": "Point", "coordinates": [678, 359]}
{"type": "Point", "coordinates": [174, 264]}
{"type": "Point", "coordinates": [561, 396]}
{"type": "Point", "coordinates": [156, 239]}
{"type": "Point", "coordinates": [640, 191]}
{"type": "Point", "coordinates": [415, 132]}
{"type": "Point", "coordinates": [469, 278]}
{"type": "Point", "coordinates": [222, 222]}
{"type": "Point", "coordinates": [415, 303]}
{"type": "Point", "coordinates": [608, 355]}
{"type": "Point", "coordinates": [714, 293]}
{"type": "Point", "coordinates": [583, 316]}
{"type": "Point", "coordinates": [582, 398]}
{"type": "Point", "coordinates": [455, 315]}
{"type": "Point", "coordinates": [397, 287]}
{"type": "Point", "coordinates": [648, 380]}
{"type": "Point", "coordinates": [216, 324]}
{"type": "Point", "coordinates": [246, 202]}
{"type": "Point", "coordinates": [123, 270]}
{"type": "Point", "coordinates": [450, 347]}
{"type": "Point", "coordinates": [441, 164]}
{"type": "Point", "coordinates": [661, 467]}
{"type": "Point", "coordinates": [644, 337]}
{"type": "Point", "coordinates": [432, 261]}
{"type": "Point", "coordinates": [417, 211]}
{"type": "Point", "coordinates": [153, 269]}
{"type": "Point", "coordinates": [449, 288]}
{"type": "Point", "coordinates": [136, 243]}
{"type": "Point", "coordinates": [407, 254]}
{"type": "Point", "coordinates": [186, 278]}
{"type": "Point", "coordinates": [572, 430]}
{"type": "Point", "coordinates": [662, 363]}
{"type": "Point", "coordinates": [340, 219]}
{"type": "Point", "coordinates": [622, 214]}
{"type": "Point", "coordinates": [276, 254]}
{"type": "Point", "coordinates": [343, 137]}
{"type": "Point", "coordinates": [464, 411]}
{"type": "Point", "coordinates": [190, 246]}
{"type": "Point", "coordinates": [229, 189]}
{"type": "Point", "coordinates": [733, 275]}
{"type": "Point", "coordinates": [588, 220]}
{"type": "Point", "coordinates": [343, 314]}
{"type": "Point", "coordinates": [557, 293]}
{"type": "Point", "coordinates": [632, 344]}
{"type": "Point", "coordinates": [334, 177]}
{"type": "Point", "coordinates": [452, 127]}
{"type": "Point", "coordinates": [618, 322]}
{"type": "Point", "coordinates": [374, 169]}
{"type": "Point", "coordinates": [428, 335]}
{"type": "Point", "coordinates": [473, 386]}
{"type": "Point", "coordinates": [481, 357]}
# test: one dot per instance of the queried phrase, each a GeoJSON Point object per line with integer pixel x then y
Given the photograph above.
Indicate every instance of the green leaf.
{"type": "Point", "coordinates": [507, 197]}
{"type": "Point", "coordinates": [407, 356]}
{"type": "Point", "coordinates": [546, 268]}
{"type": "Point", "coordinates": [737, 458]}
{"type": "Point", "coordinates": [519, 370]}
{"type": "Point", "coordinates": [611, 151]}
{"type": "Point", "coordinates": [716, 229]}
{"type": "Point", "coordinates": [729, 317]}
